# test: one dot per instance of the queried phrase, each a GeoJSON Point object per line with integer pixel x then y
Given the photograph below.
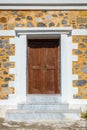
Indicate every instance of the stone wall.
{"type": "Point", "coordinates": [6, 50]}
{"type": "Point", "coordinates": [11, 19]}
{"type": "Point", "coordinates": [80, 67]}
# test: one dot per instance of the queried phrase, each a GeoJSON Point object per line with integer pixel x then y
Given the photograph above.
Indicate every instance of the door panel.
{"type": "Point", "coordinates": [43, 66]}
{"type": "Point", "coordinates": [35, 71]}
{"type": "Point", "coordinates": [49, 87]}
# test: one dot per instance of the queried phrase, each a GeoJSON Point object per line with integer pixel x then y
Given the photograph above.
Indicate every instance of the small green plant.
{"type": "Point", "coordinates": [84, 114]}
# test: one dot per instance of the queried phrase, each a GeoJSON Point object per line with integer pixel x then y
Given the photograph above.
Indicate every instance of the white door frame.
{"type": "Point", "coordinates": [18, 37]}
{"type": "Point", "coordinates": [66, 58]}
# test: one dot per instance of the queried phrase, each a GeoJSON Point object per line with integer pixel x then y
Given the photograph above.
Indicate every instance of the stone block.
{"type": "Point", "coordinates": [30, 24]}
{"type": "Point", "coordinates": [81, 82]}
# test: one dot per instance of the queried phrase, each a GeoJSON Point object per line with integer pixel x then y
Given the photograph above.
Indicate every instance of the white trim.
{"type": "Point", "coordinates": [62, 30]}
{"type": "Point", "coordinates": [43, 31]}
{"type": "Point", "coordinates": [74, 77]}
{"type": "Point", "coordinates": [12, 41]}
{"type": "Point", "coordinates": [78, 101]}
{"type": "Point", "coordinates": [64, 89]}
{"type": "Point", "coordinates": [51, 2]}
{"type": "Point", "coordinates": [75, 91]}
{"type": "Point", "coordinates": [74, 58]}
{"type": "Point", "coordinates": [12, 84]}
{"type": "Point", "coordinates": [69, 68]}
{"type": "Point", "coordinates": [12, 101]}
{"type": "Point", "coordinates": [42, 7]}
{"type": "Point", "coordinates": [12, 58]}
{"type": "Point", "coordinates": [66, 57]}
{"type": "Point", "coordinates": [21, 59]}
{"type": "Point", "coordinates": [7, 33]}
{"type": "Point", "coordinates": [81, 32]}
{"type": "Point", "coordinates": [12, 71]}
{"type": "Point", "coordinates": [75, 46]}
{"type": "Point", "coordinates": [17, 67]}
{"type": "Point", "coordinates": [44, 4]}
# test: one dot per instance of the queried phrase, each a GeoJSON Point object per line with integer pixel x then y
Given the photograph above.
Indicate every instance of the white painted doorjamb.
{"type": "Point", "coordinates": [66, 68]}
{"type": "Point", "coordinates": [21, 64]}
{"type": "Point", "coordinates": [69, 68]}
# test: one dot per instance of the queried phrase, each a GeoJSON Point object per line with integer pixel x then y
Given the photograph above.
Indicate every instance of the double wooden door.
{"type": "Point", "coordinates": [43, 66]}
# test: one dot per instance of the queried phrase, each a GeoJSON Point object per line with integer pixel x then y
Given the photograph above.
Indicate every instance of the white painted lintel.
{"type": "Point", "coordinates": [43, 31]}
{"type": "Point", "coordinates": [63, 30]}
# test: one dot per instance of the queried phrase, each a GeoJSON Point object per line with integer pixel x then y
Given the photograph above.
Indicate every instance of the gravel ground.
{"type": "Point", "coordinates": [55, 125]}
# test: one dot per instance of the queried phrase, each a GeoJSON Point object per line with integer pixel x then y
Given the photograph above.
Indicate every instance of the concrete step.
{"type": "Point", "coordinates": [20, 115]}
{"type": "Point", "coordinates": [32, 98]}
{"type": "Point", "coordinates": [43, 106]}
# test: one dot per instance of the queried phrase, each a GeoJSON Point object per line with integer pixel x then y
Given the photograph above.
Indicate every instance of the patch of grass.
{"type": "Point", "coordinates": [84, 114]}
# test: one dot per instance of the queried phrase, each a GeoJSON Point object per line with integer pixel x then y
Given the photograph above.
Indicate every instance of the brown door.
{"type": "Point", "coordinates": [43, 66]}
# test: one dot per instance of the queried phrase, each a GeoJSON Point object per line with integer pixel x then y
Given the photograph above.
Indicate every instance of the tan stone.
{"type": "Point", "coordinates": [3, 20]}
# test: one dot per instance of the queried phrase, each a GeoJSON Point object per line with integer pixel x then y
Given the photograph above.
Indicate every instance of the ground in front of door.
{"type": "Point", "coordinates": [55, 125]}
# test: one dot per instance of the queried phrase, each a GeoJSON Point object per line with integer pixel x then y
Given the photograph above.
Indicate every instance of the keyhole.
{"type": "Point", "coordinates": [44, 66]}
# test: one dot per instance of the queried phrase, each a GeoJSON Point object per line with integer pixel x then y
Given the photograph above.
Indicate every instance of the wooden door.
{"type": "Point", "coordinates": [43, 66]}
